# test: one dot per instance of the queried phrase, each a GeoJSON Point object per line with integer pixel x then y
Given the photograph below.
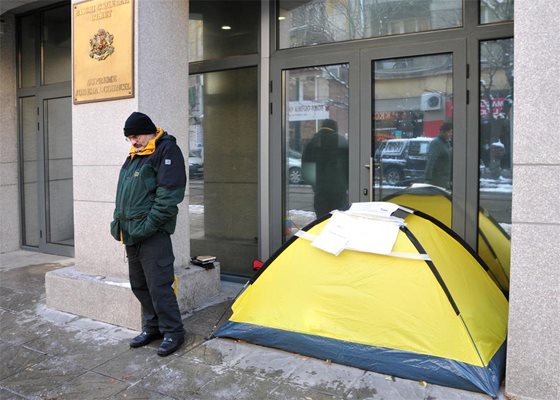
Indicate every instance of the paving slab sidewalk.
{"type": "Point", "coordinates": [47, 354]}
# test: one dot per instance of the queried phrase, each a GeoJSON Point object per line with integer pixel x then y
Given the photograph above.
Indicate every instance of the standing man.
{"type": "Point", "coordinates": [325, 167]}
{"type": "Point", "coordinates": [438, 166]}
{"type": "Point", "coordinates": [151, 185]}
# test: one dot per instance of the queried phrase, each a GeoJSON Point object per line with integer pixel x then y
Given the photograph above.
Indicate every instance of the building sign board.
{"type": "Point", "coordinates": [306, 110]}
{"type": "Point", "coordinates": [103, 56]}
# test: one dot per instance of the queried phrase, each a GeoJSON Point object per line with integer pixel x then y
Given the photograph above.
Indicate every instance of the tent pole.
{"type": "Point", "coordinates": [211, 334]}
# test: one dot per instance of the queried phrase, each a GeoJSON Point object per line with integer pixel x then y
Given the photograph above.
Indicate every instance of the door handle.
{"type": "Point", "coordinates": [370, 169]}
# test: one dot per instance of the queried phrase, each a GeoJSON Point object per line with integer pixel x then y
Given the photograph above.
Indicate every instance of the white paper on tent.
{"type": "Point", "coordinates": [378, 208]}
{"type": "Point", "coordinates": [330, 241]}
{"type": "Point", "coordinates": [347, 231]}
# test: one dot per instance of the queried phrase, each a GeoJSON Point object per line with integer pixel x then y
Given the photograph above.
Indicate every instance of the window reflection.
{"type": "Point", "coordinates": [27, 51]}
{"type": "Point", "coordinates": [58, 171]}
{"type": "Point", "coordinates": [496, 139]}
{"type": "Point", "coordinates": [412, 129]}
{"type": "Point", "coordinates": [223, 167]}
{"type": "Point", "coordinates": [495, 11]}
{"type": "Point", "coordinates": [316, 144]}
{"type": "Point", "coordinates": [56, 45]}
{"type": "Point", "coordinates": [30, 209]}
{"type": "Point", "coordinates": [306, 23]}
{"type": "Point", "coordinates": [208, 37]}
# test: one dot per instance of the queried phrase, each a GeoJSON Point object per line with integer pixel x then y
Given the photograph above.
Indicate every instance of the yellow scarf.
{"type": "Point", "coordinates": [149, 149]}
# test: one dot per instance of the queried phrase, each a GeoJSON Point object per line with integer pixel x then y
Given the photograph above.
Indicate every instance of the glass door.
{"type": "Point", "coordinates": [314, 141]}
{"type": "Point", "coordinates": [358, 126]}
{"type": "Point", "coordinates": [47, 176]}
{"type": "Point", "coordinates": [58, 176]}
{"type": "Point", "coordinates": [45, 130]}
{"type": "Point", "coordinates": [414, 136]}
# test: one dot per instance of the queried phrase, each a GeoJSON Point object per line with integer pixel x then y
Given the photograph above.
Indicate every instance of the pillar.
{"type": "Point", "coordinates": [97, 286]}
{"type": "Point", "coordinates": [533, 362]}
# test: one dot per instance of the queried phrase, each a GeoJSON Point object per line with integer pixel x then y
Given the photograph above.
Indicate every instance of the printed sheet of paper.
{"type": "Point", "coordinates": [357, 233]}
{"type": "Point", "coordinates": [382, 209]}
{"type": "Point", "coordinates": [331, 242]}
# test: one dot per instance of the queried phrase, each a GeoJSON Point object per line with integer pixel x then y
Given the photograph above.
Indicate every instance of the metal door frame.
{"type": "Point", "coordinates": [360, 120]}
{"type": "Point", "coordinates": [277, 130]}
{"type": "Point", "coordinates": [456, 47]}
{"type": "Point", "coordinates": [462, 41]}
{"type": "Point", "coordinates": [62, 91]}
{"type": "Point", "coordinates": [41, 95]}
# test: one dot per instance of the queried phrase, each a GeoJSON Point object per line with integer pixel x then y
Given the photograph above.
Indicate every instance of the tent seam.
{"type": "Point", "coordinates": [432, 267]}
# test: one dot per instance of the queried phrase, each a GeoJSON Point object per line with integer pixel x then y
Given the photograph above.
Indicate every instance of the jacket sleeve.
{"type": "Point", "coordinates": [115, 227]}
{"type": "Point", "coordinates": [171, 183]}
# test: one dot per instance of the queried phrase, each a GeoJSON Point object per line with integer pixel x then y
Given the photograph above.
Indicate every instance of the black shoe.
{"type": "Point", "coordinates": [144, 338]}
{"type": "Point", "coordinates": [169, 345]}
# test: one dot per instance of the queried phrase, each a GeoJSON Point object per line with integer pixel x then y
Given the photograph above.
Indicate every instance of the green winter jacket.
{"type": "Point", "coordinates": [438, 165]}
{"type": "Point", "coordinates": [151, 185]}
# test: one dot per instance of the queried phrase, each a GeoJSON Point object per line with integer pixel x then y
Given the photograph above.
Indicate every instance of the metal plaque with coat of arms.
{"type": "Point", "coordinates": [103, 56]}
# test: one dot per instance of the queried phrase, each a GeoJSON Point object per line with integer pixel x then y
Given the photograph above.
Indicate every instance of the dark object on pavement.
{"type": "Point", "coordinates": [170, 345]}
{"type": "Point", "coordinates": [144, 338]}
{"type": "Point", "coordinates": [204, 261]}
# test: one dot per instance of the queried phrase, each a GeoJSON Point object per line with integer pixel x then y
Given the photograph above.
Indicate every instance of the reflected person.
{"type": "Point", "coordinates": [325, 167]}
{"type": "Point", "coordinates": [438, 165]}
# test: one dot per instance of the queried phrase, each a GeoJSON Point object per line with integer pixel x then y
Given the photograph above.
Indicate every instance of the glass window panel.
{"type": "Point", "coordinates": [27, 49]}
{"type": "Point", "coordinates": [412, 130]}
{"type": "Point", "coordinates": [223, 185]}
{"type": "Point", "coordinates": [58, 171]}
{"type": "Point", "coordinates": [28, 126]}
{"type": "Point", "coordinates": [316, 144]}
{"type": "Point", "coordinates": [307, 23]}
{"type": "Point", "coordinates": [495, 11]}
{"type": "Point", "coordinates": [56, 45]}
{"type": "Point", "coordinates": [219, 29]}
{"type": "Point", "coordinates": [496, 139]}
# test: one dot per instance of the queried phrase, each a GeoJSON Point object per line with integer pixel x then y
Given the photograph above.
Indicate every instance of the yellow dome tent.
{"type": "Point", "coordinates": [408, 299]}
{"type": "Point", "coordinates": [493, 242]}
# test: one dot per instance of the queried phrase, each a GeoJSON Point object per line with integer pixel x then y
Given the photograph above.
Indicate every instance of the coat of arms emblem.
{"type": "Point", "coordinates": [101, 45]}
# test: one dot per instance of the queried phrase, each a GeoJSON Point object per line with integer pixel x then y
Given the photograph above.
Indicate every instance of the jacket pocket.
{"type": "Point", "coordinates": [116, 229]}
{"type": "Point", "coordinates": [139, 228]}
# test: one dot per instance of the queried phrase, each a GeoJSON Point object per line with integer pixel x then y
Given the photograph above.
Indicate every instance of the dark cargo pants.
{"type": "Point", "coordinates": [150, 266]}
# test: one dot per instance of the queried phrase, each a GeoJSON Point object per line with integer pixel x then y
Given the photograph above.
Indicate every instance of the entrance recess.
{"type": "Point", "coordinates": [46, 137]}
{"type": "Point", "coordinates": [386, 106]}
{"type": "Point", "coordinates": [45, 130]}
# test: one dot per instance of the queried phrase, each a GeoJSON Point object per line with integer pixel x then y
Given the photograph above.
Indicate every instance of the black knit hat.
{"type": "Point", "coordinates": [139, 124]}
{"type": "Point", "coordinates": [329, 123]}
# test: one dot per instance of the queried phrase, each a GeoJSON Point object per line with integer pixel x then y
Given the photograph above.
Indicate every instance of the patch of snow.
{"type": "Point", "coordinates": [57, 317]}
{"type": "Point", "coordinates": [301, 213]}
{"type": "Point", "coordinates": [196, 209]}
{"type": "Point", "coordinates": [506, 227]}
{"type": "Point", "coordinates": [498, 144]}
{"type": "Point", "coordinates": [85, 329]}
{"type": "Point", "coordinates": [120, 284]}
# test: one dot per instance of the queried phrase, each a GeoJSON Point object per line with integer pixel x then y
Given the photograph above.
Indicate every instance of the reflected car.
{"type": "Point", "coordinates": [295, 175]}
{"type": "Point", "coordinates": [196, 165]}
{"type": "Point", "coordinates": [402, 161]}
